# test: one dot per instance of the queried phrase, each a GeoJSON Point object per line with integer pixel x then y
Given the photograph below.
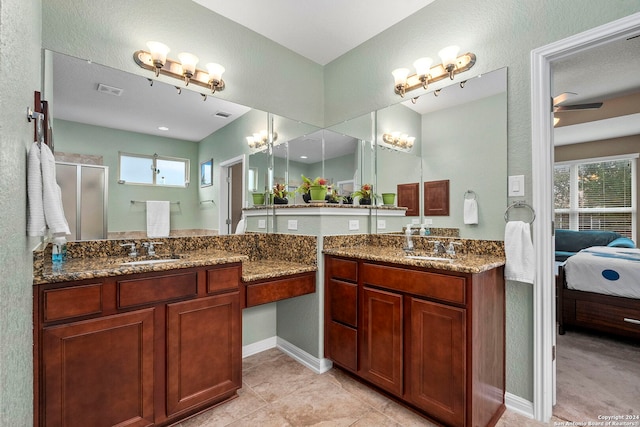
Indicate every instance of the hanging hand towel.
{"type": "Point", "coordinates": [158, 218]}
{"type": "Point", "coordinates": [51, 194]}
{"type": "Point", "coordinates": [35, 218]}
{"type": "Point", "coordinates": [520, 265]}
{"type": "Point", "coordinates": [470, 211]}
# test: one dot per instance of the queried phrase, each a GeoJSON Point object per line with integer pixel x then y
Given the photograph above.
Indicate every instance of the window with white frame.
{"type": "Point", "coordinates": [153, 169]}
{"type": "Point", "coordinates": [596, 194]}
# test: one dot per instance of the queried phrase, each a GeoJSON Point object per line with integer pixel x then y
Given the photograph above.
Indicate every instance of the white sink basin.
{"type": "Point", "coordinates": [149, 261]}
{"type": "Point", "coordinates": [429, 258]}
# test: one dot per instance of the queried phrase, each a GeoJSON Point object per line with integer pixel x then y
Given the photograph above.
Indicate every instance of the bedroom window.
{"type": "Point", "coordinates": [596, 194]}
{"type": "Point", "coordinates": [153, 169]}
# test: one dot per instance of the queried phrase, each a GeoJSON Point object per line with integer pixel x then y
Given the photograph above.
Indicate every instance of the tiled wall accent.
{"type": "Point", "coordinates": [85, 159]}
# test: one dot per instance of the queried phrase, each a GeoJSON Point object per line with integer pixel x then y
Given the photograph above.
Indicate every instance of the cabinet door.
{"type": "Point", "coordinates": [381, 355]}
{"type": "Point", "coordinates": [204, 354]}
{"type": "Point", "coordinates": [437, 360]}
{"type": "Point", "coordinates": [99, 372]}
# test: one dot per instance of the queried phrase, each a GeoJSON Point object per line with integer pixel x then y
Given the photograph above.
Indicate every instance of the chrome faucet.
{"type": "Point", "coordinates": [451, 250]}
{"type": "Point", "coordinates": [151, 250]}
{"type": "Point", "coordinates": [133, 252]}
{"type": "Point", "coordinates": [439, 247]}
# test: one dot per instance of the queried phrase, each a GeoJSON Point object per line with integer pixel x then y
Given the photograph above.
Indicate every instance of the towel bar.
{"type": "Point", "coordinates": [471, 193]}
{"type": "Point", "coordinates": [520, 204]}
{"type": "Point", "coordinates": [144, 201]}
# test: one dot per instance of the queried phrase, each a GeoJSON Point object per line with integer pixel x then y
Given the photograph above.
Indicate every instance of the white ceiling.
{"type": "Point", "coordinates": [320, 30]}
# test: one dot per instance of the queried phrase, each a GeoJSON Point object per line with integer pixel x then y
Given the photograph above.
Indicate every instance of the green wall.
{"type": "Point", "coordinates": [72, 137]}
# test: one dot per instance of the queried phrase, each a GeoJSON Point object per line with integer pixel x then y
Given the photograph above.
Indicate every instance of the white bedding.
{"type": "Point", "coordinates": [605, 270]}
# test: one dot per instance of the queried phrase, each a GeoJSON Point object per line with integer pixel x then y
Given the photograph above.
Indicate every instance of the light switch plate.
{"type": "Point", "coordinates": [516, 186]}
{"type": "Point", "coordinates": [382, 224]}
{"type": "Point", "coordinates": [292, 224]}
{"type": "Point", "coordinates": [354, 224]}
{"type": "Point", "coordinates": [415, 221]}
{"type": "Point", "coordinates": [428, 221]}
{"type": "Point", "coordinates": [262, 223]}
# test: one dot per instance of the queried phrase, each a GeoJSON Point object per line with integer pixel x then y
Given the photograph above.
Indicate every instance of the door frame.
{"type": "Point", "coordinates": [223, 206]}
{"type": "Point", "coordinates": [544, 328]}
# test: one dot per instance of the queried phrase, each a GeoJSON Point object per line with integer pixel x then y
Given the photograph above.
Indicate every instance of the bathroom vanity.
{"type": "Point", "coordinates": [430, 334]}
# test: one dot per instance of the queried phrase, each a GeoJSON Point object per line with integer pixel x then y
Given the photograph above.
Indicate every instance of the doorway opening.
{"type": "Point", "coordinates": [232, 194]}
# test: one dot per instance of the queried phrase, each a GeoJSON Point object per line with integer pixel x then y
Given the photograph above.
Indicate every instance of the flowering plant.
{"type": "Point", "coordinates": [365, 192]}
{"type": "Point", "coordinates": [280, 190]}
{"type": "Point", "coordinates": [307, 183]}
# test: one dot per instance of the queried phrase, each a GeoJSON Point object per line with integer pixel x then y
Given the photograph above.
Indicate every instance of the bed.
{"type": "Point", "coordinates": [599, 289]}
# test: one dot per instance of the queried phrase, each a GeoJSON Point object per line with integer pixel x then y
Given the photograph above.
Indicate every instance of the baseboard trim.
{"type": "Point", "coordinates": [317, 365]}
{"type": "Point", "coordinates": [258, 346]}
{"type": "Point", "coordinates": [519, 405]}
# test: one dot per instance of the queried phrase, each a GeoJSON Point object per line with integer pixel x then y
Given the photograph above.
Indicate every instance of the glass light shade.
{"type": "Point", "coordinates": [256, 137]}
{"type": "Point", "coordinates": [400, 76]}
{"type": "Point", "coordinates": [158, 51]}
{"type": "Point", "coordinates": [410, 141]}
{"type": "Point", "coordinates": [395, 135]}
{"type": "Point", "coordinates": [188, 62]}
{"type": "Point", "coordinates": [449, 55]}
{"type": "Point", "coordinates": [215, 71]}
{"type": "Point", "coordinates": [250, 141]}
{"type": "Point", "coordinates": [422, 66]}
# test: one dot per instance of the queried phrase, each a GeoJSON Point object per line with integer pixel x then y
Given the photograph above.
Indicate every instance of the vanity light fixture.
{"type": "Point", "coordinates": [399, 140]}
{"type": "Point", "coordinates": [451, 65]}
{"type": "Point", "coordinates": [184, 69]}
{"type": "Point", "coordinates": [260, 139]}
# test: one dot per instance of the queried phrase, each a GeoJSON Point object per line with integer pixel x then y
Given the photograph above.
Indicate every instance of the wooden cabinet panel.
{"type": "Point", "coordinates": [204, 354]}
{"type": "Point", "coordinates": [437, 360]}
{"type": "Point", "coordinates": [99, 372]}
{"type": "Point", "coordinates": [279, 289]}
{"type": "Point", "coordinates": [436, 198]}
{"type": "Point", "coordinates": [343, 302]}
{"type": "Point", "coordinates": [345, 269]}
{"type": "Point", "coordinates": [342, 345]}
{"type": "Point", "coordinates": [153, 289]}
{"type": "Point", "coordinates": [444, 287]}
{"type": "Point", "coordinates": [67, 303]}
{"type": "Point", "coordinates": [409, 197]}
{"type": "Point", "coordinates": [222, 279]}
{"type": "Point", "coordinates": [381, 335]}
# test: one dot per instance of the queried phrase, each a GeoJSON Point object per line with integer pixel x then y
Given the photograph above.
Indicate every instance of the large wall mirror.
{"type": "Point", "coordinates": [100, 112]}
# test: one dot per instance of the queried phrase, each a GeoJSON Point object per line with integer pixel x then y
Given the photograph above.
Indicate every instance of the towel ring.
{"type": "Point", "coordinates": [471, 193]}
{"type": "Point", "coordinates": [520, 204]}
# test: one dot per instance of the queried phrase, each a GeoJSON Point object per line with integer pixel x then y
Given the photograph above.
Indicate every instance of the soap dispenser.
{"type": "Point", "coordinates": [422, 231]}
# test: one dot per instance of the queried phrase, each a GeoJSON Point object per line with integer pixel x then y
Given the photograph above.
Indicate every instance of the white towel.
{"type": "Point", "coordinates": [520, 265]}
{"type": "Point", "coordinates": [240, 227]}
{"type": "Point", "coordinates": [470, 211]}
{"type": "Point", "coordinates": [158, 218]}
{"type": "Point", "coordinates": [51, 194]}
{"type": "Point", "coordinates": [36, 224]}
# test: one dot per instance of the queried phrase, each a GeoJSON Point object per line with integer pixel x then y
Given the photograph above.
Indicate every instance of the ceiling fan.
{"type": "Point", "coordinates": [563, 97]}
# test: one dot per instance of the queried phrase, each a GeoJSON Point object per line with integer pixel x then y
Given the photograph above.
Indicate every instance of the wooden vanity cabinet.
{"type": "Point", "coordinates": [434, 339]}
{"type": "Point", "coordinates": [147, 349]}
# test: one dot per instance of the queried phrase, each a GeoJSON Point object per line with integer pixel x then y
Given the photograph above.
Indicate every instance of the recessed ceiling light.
{"type": "Point", "coordinates": [163, 128]}
{"type": "Point", "coordinates": [303, 157]}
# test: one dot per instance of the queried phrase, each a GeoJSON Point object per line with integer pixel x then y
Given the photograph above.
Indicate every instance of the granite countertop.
{"type": "Point", "coordinates": [100, 267]}
{"type": "Point", "coordinates": [465, 263]}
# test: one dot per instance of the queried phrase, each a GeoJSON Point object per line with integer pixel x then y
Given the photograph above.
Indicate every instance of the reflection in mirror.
{"type": "Point", "coordinates": [463, 139]}
{"type": "Point", "coordinates": [99, 112]}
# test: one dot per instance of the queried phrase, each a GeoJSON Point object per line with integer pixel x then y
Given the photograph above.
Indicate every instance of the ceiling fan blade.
{"type": "Point", "coordinates": [576, 107]}
{"type": "Point", "coordinates": [563, 97]}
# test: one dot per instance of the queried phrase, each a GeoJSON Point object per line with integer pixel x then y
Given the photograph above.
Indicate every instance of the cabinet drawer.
{"type": "Point", "coordinates": [344, 269]}
{"type": "Point", "coordinates": [276, 290]}
{"type": "Point", "coordinates": [223, 279]}
{"type": "Point", "coordinates": [342, 345]}
{"type": "Point", "coordinates": [155, 289]}
{"type": "Point", "coordinates": [422, 283]}
{"type": "Point", "coordinates": [343, 302]}
{"type": "Point", "coordinates": [611, 317]}
{"type": "Point", "coordinates": [72, 302]}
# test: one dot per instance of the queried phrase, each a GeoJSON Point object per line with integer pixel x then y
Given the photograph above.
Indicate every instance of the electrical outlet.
{"type": "Point", "coordinates": [428, 221]}
{"type": "Point", "coordinates": [415, 221]}
{"type": "Point", "coordinates": [382, 224]}
{"type": "Point", "coordinates": [292, 224]}
{"type": "Point", "coordinates": [262, 223]}
{"type": "Point", "coordinates": [354, 224]}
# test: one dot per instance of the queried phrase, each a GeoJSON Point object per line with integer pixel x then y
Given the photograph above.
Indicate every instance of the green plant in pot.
{"type": "Point", "coordinates": [365, 193]}
{"type": "Point", "coordinates": [258, 199]}
{"type": "Point", "coordinates": [280, 194]}
{"type": "Point", "coordinates": [388, 198]}
{"type": "Point", "coordinates": [315, 190]}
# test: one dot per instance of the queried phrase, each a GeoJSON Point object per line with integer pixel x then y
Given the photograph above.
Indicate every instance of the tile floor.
{"type": "Point", "coordinates": [279, 391]}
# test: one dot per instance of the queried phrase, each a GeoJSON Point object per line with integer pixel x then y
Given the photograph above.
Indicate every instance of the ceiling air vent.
{"type": "Point", "coordinates": [109, 90]}
{"type": "Point", "coordinates": [223, 114]}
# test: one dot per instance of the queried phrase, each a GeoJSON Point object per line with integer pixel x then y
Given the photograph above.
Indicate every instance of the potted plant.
{"type": "Point", "coordinates": [314, 190]}
{"type": "Point", "coordinates": [258, 199]}
{"type": "Point", "coordinates": [333, 197]}
{"type": "Point", "coordinates": [388, 198]}
{"type": "Point", "coordinates": [280, 194]}
{"type": "Point", "coordinates": [365, 193]}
